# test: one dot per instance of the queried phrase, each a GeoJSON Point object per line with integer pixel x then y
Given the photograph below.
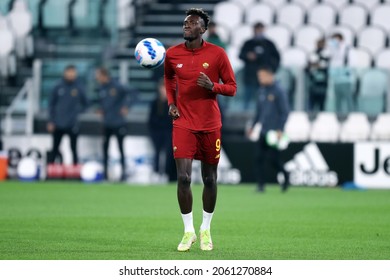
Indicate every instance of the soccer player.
{"type": "Point", "coordinates": [193, 70]}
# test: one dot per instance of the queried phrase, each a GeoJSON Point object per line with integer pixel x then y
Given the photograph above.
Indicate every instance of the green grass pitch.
{"type": "Point", "coordinates": [73, 220]}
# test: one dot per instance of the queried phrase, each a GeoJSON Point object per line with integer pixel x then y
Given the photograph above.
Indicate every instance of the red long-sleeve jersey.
{"type": "Point", "coordinates": [198, 107]}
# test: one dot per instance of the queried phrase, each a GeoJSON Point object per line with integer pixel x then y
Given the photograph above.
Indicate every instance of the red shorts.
{"type": "Point", "coordinates": [204, 146]}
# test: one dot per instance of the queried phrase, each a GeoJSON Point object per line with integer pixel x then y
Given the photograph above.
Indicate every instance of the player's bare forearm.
{"type": "Point", "coordinates": [173, 111]}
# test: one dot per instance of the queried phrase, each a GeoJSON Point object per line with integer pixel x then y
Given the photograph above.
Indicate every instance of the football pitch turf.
{"type": "Point", "coordinates": [72, 220]}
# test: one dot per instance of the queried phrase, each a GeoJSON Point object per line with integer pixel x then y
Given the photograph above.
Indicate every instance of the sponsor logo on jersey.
{"type": "Point", "coordinates": [205, 65]}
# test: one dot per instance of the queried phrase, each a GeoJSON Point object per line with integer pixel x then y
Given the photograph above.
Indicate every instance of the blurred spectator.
{"type": "Point", "coordinates": [213, 36]}
{"type": "Point", "coordinates": [258, 51]}
{"type": "Point", "coordinates": [160, 128]}
{"type": "Point", "coordinates": [342, 76]}
{"type": "Point", "coordinates": [66, 102]}
{"type": "Point", "coordinates": [114, 101]}
{"type": "Point", "coordinates": [272, 112]}
{"type": "Point", "coordinates": [317, 72]}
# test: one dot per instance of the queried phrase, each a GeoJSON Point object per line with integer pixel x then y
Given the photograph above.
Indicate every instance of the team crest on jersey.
{"type": "Point", "coordinates": [271, 97]}
{"type": "Point", "coordinates": [180, 65]}
{"type": "Point", "coordinates": [174, 149]}
{"type": "Point", "coordinates": [113, 92]}
{"type": "Point", "coordinates": [74, 92]}
{"type": "Point", "coordinates": [205, 65]}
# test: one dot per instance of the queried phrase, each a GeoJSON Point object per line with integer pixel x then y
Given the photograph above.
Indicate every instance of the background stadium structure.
{"type": "Point", "coordinates": [72, 220]}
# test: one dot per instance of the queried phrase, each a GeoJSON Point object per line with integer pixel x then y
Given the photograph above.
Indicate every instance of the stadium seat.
{"type": "Point", "coordinates": [368, 4]}
{"type": "Point", "coordinates": [306, 37]}
{"type": "Point", "coordinates": [56, 14]}
{"type": "Point", "coordinates": [354, 16]}
{"type": "Point", "coordinates": [243, 3]}
{"type": "Point", "coordinates": [126, 13]}
{"type": "Point", "coordinates": [276, 4]}
{"type": "Point", "coordinates": [259, 12]}
{"type": "Point", "coordinates": [86, 13]}
{"type": "Point", "coordinates": [372, 38]}
{"type": "Point", "coordinates": [235, 12]}
{"type": "Point", "coordinates": [381, 127]}
{"type": "Point", "coordinates": [346, 31]}
{"type": "Point", "coordinates": [20, 20]}
{"type": "Point", "coordinates": [338, 4]}
{"type": "Point", "coordinates": [359, 58]}
{"type": "Point", "coordinates": [280, 35]}
{"type": "Point", "coordinates": [110, 14]}
{"type": "Point", "coordinates": [294, 57]}
{"type": "Point", "coordinates": [325, 128]}
{"type": "Point", "coordinates": [322, 15]}
{"type": "Point", "coordinates": [307, 4]}
{"type": "Point", "coordinates": [382, 59]}
{"type": "Point", "coordinates": [372, 91]}
{"type": "Point", "coordinates": [380, 16]}
{"type": "Point", "coordinates": [355, 128]}
{"type": "Point", "coordinates": [297, 126]}
{"type": "Point", "coordinates": [33, 6]}
{"type": "Point", "coordinates": [240, 34]}
{"type": "Point", "coordinates": [7, 59]}
{"type": "Point", "coordinates": [292, 15]}
{"type": "Point", "coordinates": [4, 7]}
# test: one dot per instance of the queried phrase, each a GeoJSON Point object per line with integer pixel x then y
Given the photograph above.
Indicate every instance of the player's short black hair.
{"type": "Point", "coordinates": [338, 35]}
{"type": "Point", "coordinates": [265, 67]}
{"type": "Point", "coordinates": [258, 25]}
{"type": "Point", "coordinates": [70, 67]}
{"type": "Point", "coordinates": [202, 14]}
{"type": "Point", "coordinates": [104, 71]}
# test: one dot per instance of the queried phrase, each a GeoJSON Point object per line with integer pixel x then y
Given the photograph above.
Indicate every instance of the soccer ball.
{"type": "Point", "coordinates": [91, 172]}
{"type": "Point", "coordinates": [28, 169]}
{"type": "Point", "coordinates": [150, 53]}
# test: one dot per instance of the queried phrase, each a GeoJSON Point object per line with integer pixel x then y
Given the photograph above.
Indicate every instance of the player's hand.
{"type": "Point", "coordinates": [124, 111]}
{"type": "Point", "coordinates": [50, 127]}
{"type": "Point", "coordinates": [251, 56]}
{"type": "Point", "coordinates": [173, 111]}
{"type": "Point", "coordinates": [248, 132]}
{"type": "Point", "coordinates": [99, 112]}
{"type": "Point", "coordinates": [204, 81]}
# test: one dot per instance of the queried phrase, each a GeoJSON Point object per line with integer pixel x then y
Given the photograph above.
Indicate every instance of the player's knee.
{"type": "Point", "coordinates": [210, 181]}
{"type": "Point", "coordinates": [184, 179]}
